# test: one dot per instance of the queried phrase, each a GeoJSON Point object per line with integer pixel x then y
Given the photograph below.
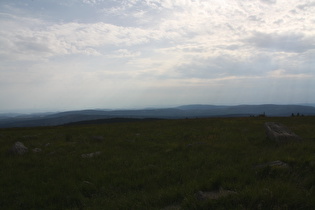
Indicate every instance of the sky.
{"type": "Point", "coordinates": [83, 54]}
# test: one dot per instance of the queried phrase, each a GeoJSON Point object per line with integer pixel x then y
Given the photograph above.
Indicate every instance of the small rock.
{"type": "Point", "coordinates": [274, 164]}
{"type": "Point", "coordinates": [172, 207]}
{"type": "Point", "coordinates": [278, 163]}
{"type": "Point", "coordinates": [36, 150]}
{"type": "Point", "coordinates": [98, 138]}
{"type": "Point", "coordinates": [18, 149]}
{"type": "Point", "coordinates": [213, 195]}
{"type": "Point", "coordinates": [90, 155]}
{"type": "Point", "coordinates": [87, 182]}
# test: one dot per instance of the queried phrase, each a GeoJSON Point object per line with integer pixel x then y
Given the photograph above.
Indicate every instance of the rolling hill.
{"type": "Point", "coordinates": [180, 112]}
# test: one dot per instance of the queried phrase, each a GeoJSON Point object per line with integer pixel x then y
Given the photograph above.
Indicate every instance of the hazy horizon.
{"type": "Point", "coordinates": [39, 111]}
{"type": "Point", "coordinates": [107, 54]}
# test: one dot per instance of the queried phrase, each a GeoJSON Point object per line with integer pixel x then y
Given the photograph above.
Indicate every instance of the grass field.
{"type": "Point", "coordinates": [162, 164]}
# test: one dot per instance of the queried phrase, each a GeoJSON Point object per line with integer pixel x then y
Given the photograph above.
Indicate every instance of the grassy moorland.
{"type": "Point", "coordinates": [162, 164]}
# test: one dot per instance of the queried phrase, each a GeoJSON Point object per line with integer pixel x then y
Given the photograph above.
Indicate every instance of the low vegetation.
{"type": "Point", "coordinates": [214, 163]}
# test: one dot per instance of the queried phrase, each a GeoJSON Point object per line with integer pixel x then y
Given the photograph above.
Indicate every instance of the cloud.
{"type": "Point", "coordinates": [269, 1]}
{"type": "Point", "coordinates": [285, 42]}
{"type": "Point", "coordinates": [155, 50]}
{"type": "Point", "coordinates": [226, 65]}
{"type": "Point", "coordinates": [92, 2]}
{"type": "Point", "coordinates": [255, 18]}
{"type": "Point", "coordinates": [306, 6]}
{"type": "Point", "coordinates": [124, 53]}
{"type": "Point", "coordinates": [40, 42]}
{"type": "Point", "coordinates": [281, 73]}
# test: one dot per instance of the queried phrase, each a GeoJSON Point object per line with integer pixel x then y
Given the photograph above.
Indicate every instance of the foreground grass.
{"type": "Point", "coordinates": [159, 165]}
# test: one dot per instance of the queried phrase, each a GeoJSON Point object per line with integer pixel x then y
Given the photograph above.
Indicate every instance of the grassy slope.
{"type": "Point", "coordinates": [154, 165]}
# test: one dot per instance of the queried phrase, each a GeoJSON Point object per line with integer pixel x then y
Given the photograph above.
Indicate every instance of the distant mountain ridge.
{"type": "Point", "coordinates": [185, 111]}
{"type": "Point", "coordinates": [200, 107]}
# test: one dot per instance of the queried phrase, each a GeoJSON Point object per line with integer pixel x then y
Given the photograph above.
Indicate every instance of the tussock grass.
{"type": "Point", "coordinates": [159, 165]}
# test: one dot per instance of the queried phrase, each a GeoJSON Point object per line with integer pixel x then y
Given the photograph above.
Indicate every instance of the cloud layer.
{"type": "Point", "coordinates": [134, 53]}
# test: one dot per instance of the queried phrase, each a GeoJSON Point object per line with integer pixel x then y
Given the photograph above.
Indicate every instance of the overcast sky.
{"type": "Point", "coordinates": [79, 54]}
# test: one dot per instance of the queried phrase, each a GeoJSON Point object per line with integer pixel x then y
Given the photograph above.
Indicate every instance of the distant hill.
{"type": "Point", "coordinates": [111, 120]}
{"type": "Point", "coordinates": [200, 107]}
{"type": "Point", "coordinates": [186, 111]}
{"type": "Point", "coordinates": [308, 104]}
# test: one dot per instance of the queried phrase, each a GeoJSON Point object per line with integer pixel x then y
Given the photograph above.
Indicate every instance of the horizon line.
{"type": "Point", "coordinates": [42, 111]}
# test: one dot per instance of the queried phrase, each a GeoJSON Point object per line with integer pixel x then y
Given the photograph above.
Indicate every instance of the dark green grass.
{"type": "Point", "coordinates": [155, 165]}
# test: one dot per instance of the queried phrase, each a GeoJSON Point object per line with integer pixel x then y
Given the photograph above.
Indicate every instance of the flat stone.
{"type": "Point", "coordinates": [37, 150]}
{"type": "Point", "coordinates": [278, 163]}
{"type": "Point", "coordinates": [91, 155]}
{"type": "Point", "coordinates": [274, 164]}
{"type": "Point", "coordinates": [280, 133]}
